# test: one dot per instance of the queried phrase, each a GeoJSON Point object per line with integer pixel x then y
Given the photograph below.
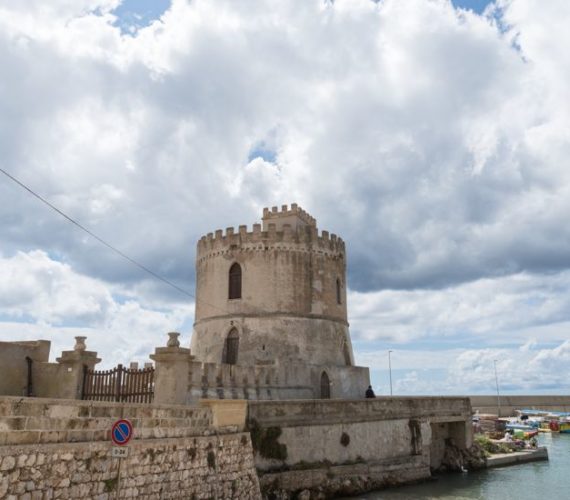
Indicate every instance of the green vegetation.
{"type": "Point", "coordinates": [491, 447]}
{"type": "Point", "coordinates": [111, 484]}
{"type": "Point", "coordinates": [266, 441]}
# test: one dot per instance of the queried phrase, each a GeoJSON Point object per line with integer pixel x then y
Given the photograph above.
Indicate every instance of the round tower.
{"type": "Point", "coordinates": [276, 294]}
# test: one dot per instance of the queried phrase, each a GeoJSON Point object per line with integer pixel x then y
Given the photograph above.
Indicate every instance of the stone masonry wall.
{"type": "Point", "coordinates": [202, 467]}
{"type": "Point", "coordinates": [292, 305]}
{"type": "Point", "coordinates": [62, 449]}
{"type": "Point", "coordinates": [278, 381]}
{"type": "Point", "coordinates": [348, 447]}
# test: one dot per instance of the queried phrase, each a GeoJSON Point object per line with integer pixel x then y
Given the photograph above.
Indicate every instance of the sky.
{"type": "Point", "coordinates": [432, 136]}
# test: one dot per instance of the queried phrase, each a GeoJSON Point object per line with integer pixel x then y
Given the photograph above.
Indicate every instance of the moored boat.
{"type": "Point", "coordinates": [564, 427]}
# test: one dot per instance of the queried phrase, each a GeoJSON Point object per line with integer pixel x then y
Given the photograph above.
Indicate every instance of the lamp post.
{"type": "Point", "coordinates": [497, 384]}
{"type": "Point", "coordinates": [390, 370]}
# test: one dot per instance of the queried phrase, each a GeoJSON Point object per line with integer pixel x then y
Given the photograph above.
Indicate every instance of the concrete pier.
{"type": "Point", "coordinates": [517, 457]}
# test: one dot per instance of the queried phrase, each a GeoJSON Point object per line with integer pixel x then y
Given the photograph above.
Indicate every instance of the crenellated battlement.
{"type": "Point", "coordinates": [295, 214]}
{"type": "Point", "coordinates": [303, 238]}
{"type": "Point", "coordinates": [291, 228]}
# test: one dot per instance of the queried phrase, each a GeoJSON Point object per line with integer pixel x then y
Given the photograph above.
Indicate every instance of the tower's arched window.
{"type": "Point", "coordinates": [338, 292]}
{"type": "Point", "coordinates": [325, 386]}
{"type": "Point", "coordinates": [231, 348]}
{"type": "Point", "coordinates": [235, 282]}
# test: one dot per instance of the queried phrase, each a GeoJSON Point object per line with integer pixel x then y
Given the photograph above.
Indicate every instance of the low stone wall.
{"type": "Point", "coordinates": [218, 466]}
{"type": "Point", "coordinates": [62, 449]}
{"type": "Point", "coordinates": [180, 379]}
{"type": "Point", "coordinates": [42, 421]}
{"type": "Point", "coordinates": [348, 447]}
{"type": "Point", "coordinates": [488, 404]}
{"type": "Point", "coordinates": [274, 382]}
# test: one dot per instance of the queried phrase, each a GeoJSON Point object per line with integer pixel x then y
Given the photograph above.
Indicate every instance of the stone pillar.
{"type": "Point", "coordinates": [71, 369]}
{"type": "Point", "coordinates": [172, 369]}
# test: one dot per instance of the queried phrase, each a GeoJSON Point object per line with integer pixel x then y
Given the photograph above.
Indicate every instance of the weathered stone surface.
{"type": "Point", "coordinates": [299, 447]}
{"type": "Point", "coordinates": [216, 465]}
{"type": "Point", "coordinates": [290, 317]}
{"type": "Point", "coordinates": [8, 463]}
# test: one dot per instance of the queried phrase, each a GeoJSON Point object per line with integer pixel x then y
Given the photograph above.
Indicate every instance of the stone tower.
{"type": "Point", "coordinates": [272, 296]}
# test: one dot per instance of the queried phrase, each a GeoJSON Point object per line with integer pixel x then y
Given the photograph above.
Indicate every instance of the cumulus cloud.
{"type": "Point", "coordinates": [486, 310]}
{"type": "Point", "coordinates": [35, 286]}
{"type": "Point", "coordinates": [429, 137]}
{"type": "Point", "coordinates": [460, 371]}
{"type": "Point", "coordinates": [43, 298]}
{"type": "Point", "coordinates": [432, 139]}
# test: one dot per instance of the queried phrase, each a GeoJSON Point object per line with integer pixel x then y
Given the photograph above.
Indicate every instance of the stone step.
{"type": "Point", "coordinates": [33, 421]}
{"type": "Point", "coordinates": [56, 408]}
{"type": "Point", "coordinates": [37, 436]}
{"type": "Point", "coordinates": [45, 423]}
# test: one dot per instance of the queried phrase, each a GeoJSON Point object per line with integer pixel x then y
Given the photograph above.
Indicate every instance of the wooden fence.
{"type": "Point", "coordinates": [130, 385]}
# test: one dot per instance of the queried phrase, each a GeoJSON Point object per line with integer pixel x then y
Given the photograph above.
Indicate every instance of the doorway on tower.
{"type": "Point", "coordinates": [325, 386]}
{"type": "Point", "coordinates": [231, 347]}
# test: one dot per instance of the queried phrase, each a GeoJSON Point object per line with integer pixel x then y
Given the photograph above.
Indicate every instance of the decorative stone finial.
{"type": "Point", "coordinates": [173, 339]}
{"type": "Point", "coordinates": [80, 344]}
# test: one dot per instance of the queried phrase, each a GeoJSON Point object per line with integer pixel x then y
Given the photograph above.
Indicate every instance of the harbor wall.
{"type": "Point", "coordinates": [56, 448]}
{"type": "Point", "coordinates": [489, 404]}
{"type": "Point", "coordinates": [62, 449]}
{"type": "Point", "coordinates": [348, 447]}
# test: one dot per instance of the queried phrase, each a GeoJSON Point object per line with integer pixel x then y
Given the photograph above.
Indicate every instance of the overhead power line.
{"type": "Point", "coordinates": [101, 240]}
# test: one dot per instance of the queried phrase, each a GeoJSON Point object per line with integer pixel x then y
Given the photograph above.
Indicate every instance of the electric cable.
{"type": "Point", "coordinates": [103, 242]}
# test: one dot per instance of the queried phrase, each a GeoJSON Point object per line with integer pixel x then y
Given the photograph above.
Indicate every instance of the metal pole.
{"type": "Point", "coordinates": [390, 370]}
{"type": "Point", "coordinates": [497, 384]}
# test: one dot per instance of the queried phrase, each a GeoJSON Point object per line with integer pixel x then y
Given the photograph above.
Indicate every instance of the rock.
{"type": "Point", "coordinates": [475, 458]}
{"type": "Point", "coordinates": [8, 463]}
{"type": "Point", "coordinates": [304, 495]}
{"type": "Point", "coordinates": [3, 487]}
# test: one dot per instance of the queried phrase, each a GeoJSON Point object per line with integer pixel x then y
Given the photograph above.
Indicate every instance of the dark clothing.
{"type": "Point", "coordinates": [370, 392]}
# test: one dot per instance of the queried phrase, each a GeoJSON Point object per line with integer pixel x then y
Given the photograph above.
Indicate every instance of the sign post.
{"type": "Point", "coordinates": [121, 434]}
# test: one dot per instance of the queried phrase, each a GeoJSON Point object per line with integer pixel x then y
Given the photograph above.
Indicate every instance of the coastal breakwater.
{"type": "Point", "coordinates": [326, 448]}
{"type": "Point", "coordinates": [509, 404]}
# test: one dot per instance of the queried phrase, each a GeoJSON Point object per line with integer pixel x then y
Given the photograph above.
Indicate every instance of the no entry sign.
{"type": "Point", "coordinates": [122, 432]}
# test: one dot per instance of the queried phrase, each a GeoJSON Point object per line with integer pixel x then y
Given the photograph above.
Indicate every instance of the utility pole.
{"type": "Point", "coordinates": [497, 384]}
{"type": "Point", "coordinates": [390, 370]}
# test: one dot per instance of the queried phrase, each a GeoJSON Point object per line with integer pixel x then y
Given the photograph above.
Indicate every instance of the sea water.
{"type": "Point", "coordinates": [536, 480]}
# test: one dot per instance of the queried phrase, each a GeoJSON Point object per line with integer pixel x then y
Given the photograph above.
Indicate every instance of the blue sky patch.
{"type": "Point", "coordinates": [135, 14]}
{"type": "Point", "coordinates": [475, 5]}
{"type": "Point", "coordinates": [261, 150]}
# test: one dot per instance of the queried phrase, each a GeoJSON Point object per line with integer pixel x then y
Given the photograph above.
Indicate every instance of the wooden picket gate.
{"type": "Point", "coordinates": [129, 385]}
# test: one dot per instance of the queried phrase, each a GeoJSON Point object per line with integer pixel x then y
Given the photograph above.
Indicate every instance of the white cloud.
{"type": "Point", "coordinates": [522, 370]}
{"type": "Point", "coordinates": [33, 285]}
{"type": "Point", "coordinates": [486, 310]}
{"type": "Point", "coordinates": [43, 298]}
{"type": "Point", "coordinates": [440, 140]}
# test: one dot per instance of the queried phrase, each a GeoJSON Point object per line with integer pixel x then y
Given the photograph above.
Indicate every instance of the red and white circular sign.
{"type": "Point", "coordinates": [122, 432]}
